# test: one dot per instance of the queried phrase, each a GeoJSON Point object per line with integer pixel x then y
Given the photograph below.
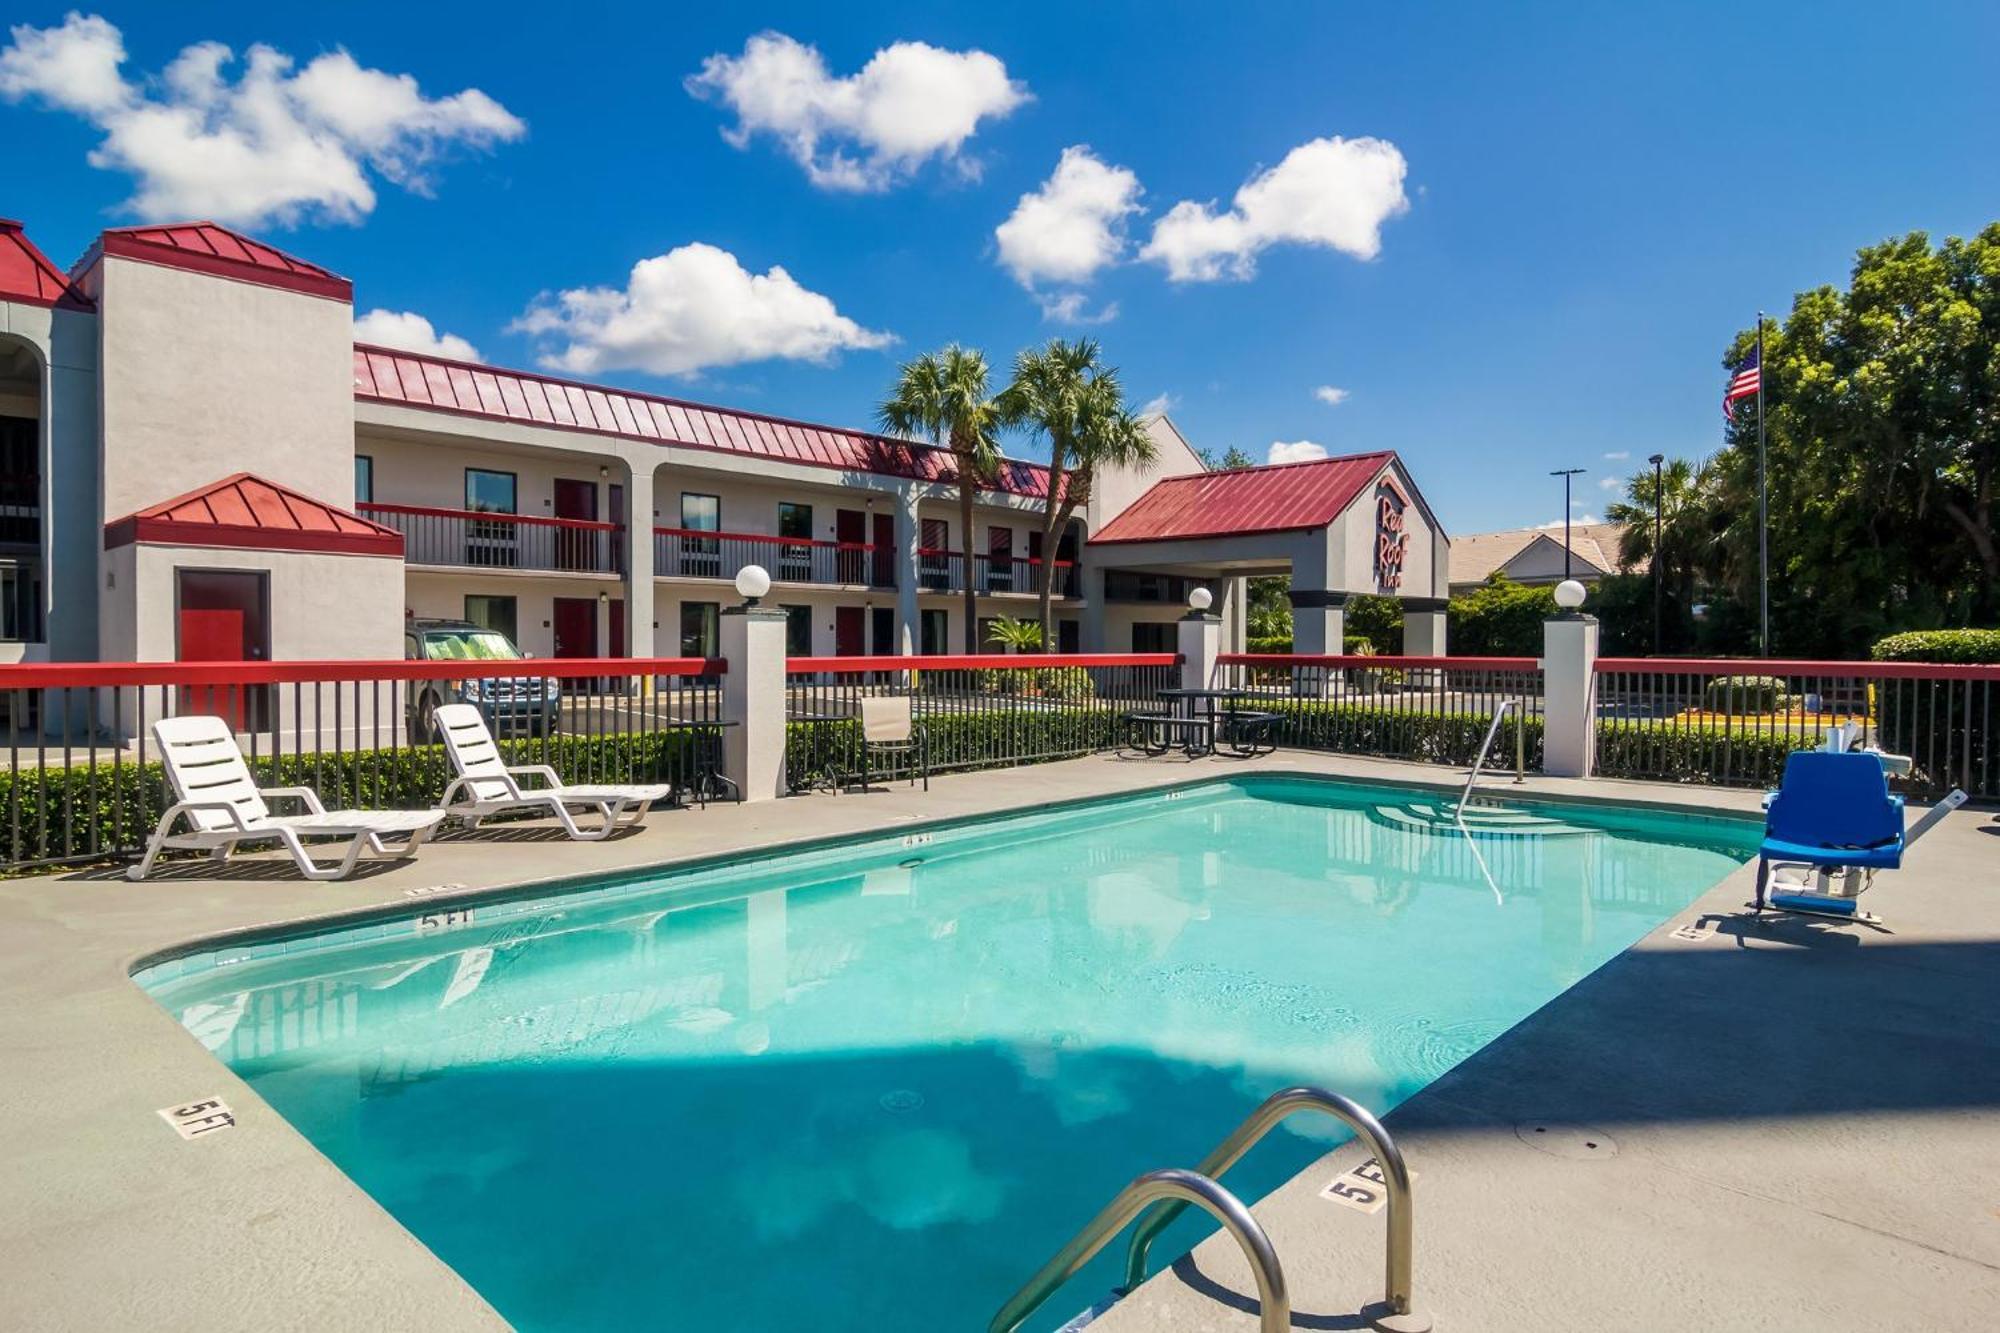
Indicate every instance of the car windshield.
{"type": "Point", "coordinates": [468, 645]}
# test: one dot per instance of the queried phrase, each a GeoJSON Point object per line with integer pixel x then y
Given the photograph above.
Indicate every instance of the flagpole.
{"type": "Point", "coordinates": [1763, 511]}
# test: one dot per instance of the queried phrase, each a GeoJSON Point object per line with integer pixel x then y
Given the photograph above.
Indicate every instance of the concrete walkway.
{"type": "Point", "coordinates": [1804, 1118]}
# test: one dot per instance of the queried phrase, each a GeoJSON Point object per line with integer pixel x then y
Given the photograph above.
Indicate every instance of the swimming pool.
{"type": "Point", "coordinates": [875, 1085]}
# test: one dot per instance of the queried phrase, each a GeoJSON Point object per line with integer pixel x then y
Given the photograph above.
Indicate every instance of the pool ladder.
{"type": "Point", "coordinates": [1492, 732]}
{"type": "Point", "coordinates": [1175, 1189]}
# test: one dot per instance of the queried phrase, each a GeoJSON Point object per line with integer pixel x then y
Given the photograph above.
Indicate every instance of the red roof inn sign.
{"type": "Point", "coordinates": [1391, 541]}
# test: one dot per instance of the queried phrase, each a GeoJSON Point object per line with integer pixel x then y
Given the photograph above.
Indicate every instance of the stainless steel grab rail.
{"type": "Point", "coordinates": [1183, 1188]}
{"type": "Point", "coordinates": [1279, 1106]}
{"type": "Point", "coordinates": [1479, 762]}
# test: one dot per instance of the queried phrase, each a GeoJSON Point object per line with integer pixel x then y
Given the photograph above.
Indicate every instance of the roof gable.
{"type": "Point", "coordinates": [205, 247]}
{"type": "Point", "coordinates": [248, 511]}
{"type": "Point", "coordinates": [27, 276]}
{"type": "Point", "coordinates": [410, 379]}
{"type": "Point", "coordinates": [1274, 498]}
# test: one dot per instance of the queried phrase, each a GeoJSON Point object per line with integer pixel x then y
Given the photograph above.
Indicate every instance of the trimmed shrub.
{"type": "Point", "coordinates": [1961, 647]}
{"type": "Point", "coordinates": [1714, 755]}
{"type": "Point", "coordinates": [1745, 694]}
{"type": "Point", "coordinates": [1449, 738]}
{"type": "Point", "coordinates": [1269, 645]}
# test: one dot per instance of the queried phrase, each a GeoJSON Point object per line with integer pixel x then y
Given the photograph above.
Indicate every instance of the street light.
{"type": "Point", "coordinates": [1658, 500]}
{"type": "Point", "coordinates": [1566, 473]}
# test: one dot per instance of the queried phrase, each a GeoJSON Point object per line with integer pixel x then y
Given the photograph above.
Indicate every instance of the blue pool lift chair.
{"type": "Point", "coordinates": [1832, 812]}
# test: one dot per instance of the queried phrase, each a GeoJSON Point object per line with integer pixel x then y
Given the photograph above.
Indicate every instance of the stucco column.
{"type": "Point", "coordinates": [1423, 628]}
{"type": "Point", "coordinates": [637, 549]}
{"type": "Point", "coordinates": [1319, 622]}
{"type": "Point", "coordinates": [909, 533]}
{"type": "Point", "coordinates": [753, 700]}
{"type": "Point", "coordinates": [1236, 604]}
{"type": "Point", "coordinates": [1090, 633]}
{"type": "Point", "coordinates": [1569, 696]}
{"type": "Point", "coordinates": [1199, 642]}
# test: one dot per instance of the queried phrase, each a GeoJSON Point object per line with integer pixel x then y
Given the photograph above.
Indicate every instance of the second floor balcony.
{"type": "Point", "coordinates": [694, 553]}
{"type": "Point", "coordinates": [469, 539]}
{"type": "Point", "coordinates": [945, 571]}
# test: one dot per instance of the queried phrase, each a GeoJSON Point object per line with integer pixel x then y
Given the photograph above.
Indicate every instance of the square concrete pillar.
{"type": "Point", "coordinates": [636, 559]}
{"type": "Point", "coordinates": [908, 564]}
{"type": "Point", "coordinates": [1199, 643]}
{"type": "Point", "coordinates": [1423, 631]}
{"type": "Point", "coordinates": [753, 700]}
{"type": "Point", "coordinates": [1569, 696]}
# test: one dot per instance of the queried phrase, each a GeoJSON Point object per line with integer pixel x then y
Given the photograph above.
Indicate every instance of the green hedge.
{"type": "Point", "coordinates": [73, 813]}
{"type": "Point", "coordinates": [995, 738]}
{"type": "Point", "coordinates": [1672, 752]}
{"type": "Point", "coordinates": [1962, 647]}
{"type": "Point", "coordinates": [1745, 694]}
{"type": "Point", "coordinates": [1447, 738]}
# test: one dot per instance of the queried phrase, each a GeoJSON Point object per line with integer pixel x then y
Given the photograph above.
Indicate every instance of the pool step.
{"type": "Point", "coordinates": [1493, 821]}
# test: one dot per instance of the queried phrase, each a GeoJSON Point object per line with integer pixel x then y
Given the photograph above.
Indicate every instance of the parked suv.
{"type": "Point", "coordinates": [512, 704]}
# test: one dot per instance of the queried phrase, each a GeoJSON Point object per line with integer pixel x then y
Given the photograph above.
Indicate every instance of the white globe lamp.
{"type": "Point", "coordinates": [1569, 594]}
{"type": "Point", "coordinates": [1200, 600]}
{"type": "Point", "coordinates": [753, 581]}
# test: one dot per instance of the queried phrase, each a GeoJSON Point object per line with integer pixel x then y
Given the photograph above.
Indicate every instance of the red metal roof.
{"type": "Point", "coordinates": [246, 510]}
{"type": "Point", "coordinates": [205, 247]}
{"type": "Point", "coordinates": [27, 276]}
{"type": "Point", "coordinates": [1286, 497]}
{"type": "Point", "coordinates": [388, 375]}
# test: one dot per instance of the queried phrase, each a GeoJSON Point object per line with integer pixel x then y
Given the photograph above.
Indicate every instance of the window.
{"type": "Point", "coordinates": [701, 513]}
{"type": "Point", "coordinates": [999, 560]}
{"type": "Point", "coordinates": [936, 629]}
{"type": "Point", "coordinates": [490, 542]}
{"type": "Point", "coordinates": [494, 613]}
{"type": "Point", "coordinates": [1152, 636]}
{"type": "Point", "coordinates": [700, 557]}
{"type": "Point", "coordinates": [700, 629]}
{"type": "Point", "coordinates": [798, 631]}
{"type": "Point", "coordinates": [934, 556]}
{"type": "Point", "coordinates": [884, 631]}
{"type": "Point", "coordinates": [364, 479]}
{"type": "Point", "coordinates": [795, 562]}
{"type": "Point", "coordinates": [1069, 636]}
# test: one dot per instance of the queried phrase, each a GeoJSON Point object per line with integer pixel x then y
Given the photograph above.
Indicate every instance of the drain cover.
{"type": "Point", "coordinates": [903, 1101]}
{"type": "Point", "coordinates": [1578, 1143]}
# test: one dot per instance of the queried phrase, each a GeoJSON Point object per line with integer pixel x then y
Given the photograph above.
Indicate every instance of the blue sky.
{"type": "Point", "coordinates": [1591, 198]}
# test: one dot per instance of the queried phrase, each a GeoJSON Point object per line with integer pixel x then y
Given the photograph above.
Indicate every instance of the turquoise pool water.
{"type": "Point", "coordinates": [874, 1086]}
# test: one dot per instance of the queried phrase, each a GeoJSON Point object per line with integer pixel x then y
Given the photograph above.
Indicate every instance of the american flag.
{"type": "Point", "coordinates": [1745, 383]}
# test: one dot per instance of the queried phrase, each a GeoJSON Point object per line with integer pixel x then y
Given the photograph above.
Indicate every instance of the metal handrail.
{"type": "Point", "coordinates": [1479, 762]}
{"type": "Point", "coordinates": [1278, 1107]}
{"type": "Point", "coordinates": [1183, 1188]}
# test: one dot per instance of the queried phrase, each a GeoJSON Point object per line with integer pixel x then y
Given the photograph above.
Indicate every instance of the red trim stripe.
{"type": "Point", "coordinates": [1792, 667]}
{"type": "Point", "coordinates": [58, 675]}
{"type": "Point", "coordinates": [976, 662]}
{"type": "Point", "coordinates": [1380, 660]}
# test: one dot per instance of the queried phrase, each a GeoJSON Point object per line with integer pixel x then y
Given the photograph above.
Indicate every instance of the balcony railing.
{"type": "Point", "coordinates": [944, 571]}
{"type": "Point", "coordinates": [469, 540]}
{"type": "Point", "coordinates": [689, 553]}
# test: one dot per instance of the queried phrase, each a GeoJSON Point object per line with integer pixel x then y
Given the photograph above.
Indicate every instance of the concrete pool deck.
{"type": "Point", "coordinates": [1799, 1124]}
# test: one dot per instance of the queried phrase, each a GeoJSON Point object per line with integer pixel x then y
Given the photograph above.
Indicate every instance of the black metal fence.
{"type": "Point", "coordinates": [83, 781]}
{"type": "Point", "coordinates": [469, 540]}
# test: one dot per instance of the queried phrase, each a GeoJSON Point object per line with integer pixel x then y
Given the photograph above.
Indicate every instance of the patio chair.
{"type": "Point", "coordinates": [224, 807]}
{"type": "Point", "coordinates": [1833, 811]}
{"type": "Point", "coordinates": [487, 786]}
{"type": "Point", "coordinates": [889, 727]}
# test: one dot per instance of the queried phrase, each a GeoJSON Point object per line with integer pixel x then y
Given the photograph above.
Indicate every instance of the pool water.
{"type": "Point", "coordinates": [875, 1086]}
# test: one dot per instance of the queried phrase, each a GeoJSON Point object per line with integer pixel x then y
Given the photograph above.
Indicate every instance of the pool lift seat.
{"type": "Point", "coordinates": [1833, 812]}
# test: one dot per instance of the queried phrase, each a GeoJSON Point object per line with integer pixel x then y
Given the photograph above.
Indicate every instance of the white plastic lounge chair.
{"type": "Point", "coordinates": [214, 792]}
{"type": "Point", "coordinates": [486, 785]}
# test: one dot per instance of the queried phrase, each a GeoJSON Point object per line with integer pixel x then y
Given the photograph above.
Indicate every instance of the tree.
{"type": "Point", "coordinates": [943, 396]}
{"type": "Point", "coordinates": [1883, 439]}
{"type": "Point", "coordinates": [1687, 542]}
{"type": "Point", "coordinates": [1066, 393]}
{"type": "Point", "coordinates": [1232, 459]}
{"type": "Point", "coordinates": [1500, 618]}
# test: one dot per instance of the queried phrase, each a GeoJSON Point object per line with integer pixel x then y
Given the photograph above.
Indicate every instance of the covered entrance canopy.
{"type": "Point", "coordinates": [1337, 527]}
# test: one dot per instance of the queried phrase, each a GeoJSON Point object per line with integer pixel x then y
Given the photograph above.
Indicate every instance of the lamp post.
{"type": "Point", "coordinates": [1566, 473]}
{"type": "Point", "coordinates": [1659, 499]}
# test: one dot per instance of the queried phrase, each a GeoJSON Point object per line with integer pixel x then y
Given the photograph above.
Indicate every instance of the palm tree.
{"type": "Point", "coordinates": [943, 397]}
{"type": "Point", "coordinates": [1018, 636]}
{"type": "Point", "coordinates": [1066, 393]}
{"type": "Point", "coordinates": [1686, 519]}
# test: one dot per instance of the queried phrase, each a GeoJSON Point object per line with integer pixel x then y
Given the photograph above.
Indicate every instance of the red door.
{"type": "Point", "coordinates": [616, 629]}
{"type": "Point", "coordinates": [850, 529]}
{"type": "Point", "coordinates": [576, 548]}
{"type": "Point", "coordinates": [576, 626]}
{"type": "Point", "coordinates": [223, 616]}
{"type": "Point", "coordinates": [849, 625]}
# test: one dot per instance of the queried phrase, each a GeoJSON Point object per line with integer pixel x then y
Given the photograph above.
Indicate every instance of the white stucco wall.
{"type": "Point", "coordinates": [1117, 488]}
{"type": "Point", "coordinates": [206, 376]}
{"type": "Point", "coordinates": [323, 607]}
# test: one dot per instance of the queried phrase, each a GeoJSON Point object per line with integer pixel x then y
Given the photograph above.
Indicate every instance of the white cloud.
{"type": "Point", "coordinates": [1073, 225]}
{"type": "Point", "coordinates": [1159, 404]}
{"type": "Point", "coordinates": [1576, 522]}
{"type": "Point", "coordinates": [911, 102]}
{"type": "Point", "coordinates": [1619, 455]}
{"type": "Point", "coordinates": [1298, 451]}
{"type": "Point", "coordinates": [1330, 192]}
{"type": "Point", "coordinates": [1609, 483]}
{"type": "Point", "coordinates": [689, 309]}
{"type": "Point", "coordinates": [1072, 308]}
{"type": "Point", "coordinates": [272, 146]}
{"type": "Point", "coordinates": [1329, 395]}
{"type": "Point", "coordinates": [412, 333]}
